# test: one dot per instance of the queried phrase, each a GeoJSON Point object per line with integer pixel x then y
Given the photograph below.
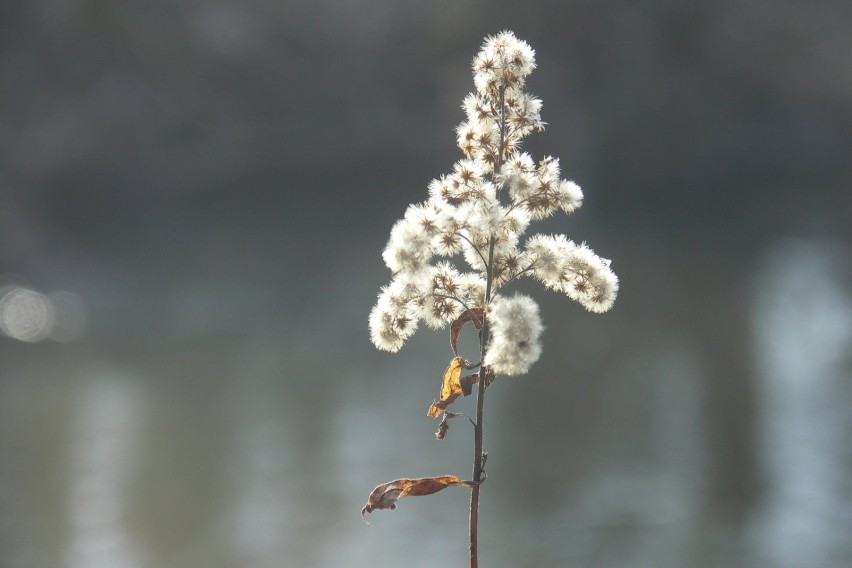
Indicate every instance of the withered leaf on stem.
{"type": "Point", "coordinates": [455, 385]}
{"type": "Point", "coordinates": [386, 495]}
{"type": "Point", "coordinates": [451, 387]}
{"type": "Point", "coordinates": [475, 315]}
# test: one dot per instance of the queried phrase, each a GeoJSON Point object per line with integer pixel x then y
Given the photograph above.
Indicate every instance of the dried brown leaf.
{"type": "Point", "coordinates": [451, 387]}
{"type": "Point", "coordinates": [455, 385]}
{"type": "Point", "coordinates": [386, 495]}
{"type": "Point", "coordinates": [475, 315]}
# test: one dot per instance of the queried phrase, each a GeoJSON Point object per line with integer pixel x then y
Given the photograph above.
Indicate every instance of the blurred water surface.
{"type": "Point", "coordinates": [193, 202]}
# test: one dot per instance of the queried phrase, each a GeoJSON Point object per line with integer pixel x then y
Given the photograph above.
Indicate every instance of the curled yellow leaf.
{"type": "Point", "coordinates": [451, 387]}
{"type": "Point", "coordinates": [455, 385]}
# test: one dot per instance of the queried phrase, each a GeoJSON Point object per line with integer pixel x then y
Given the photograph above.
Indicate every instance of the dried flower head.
{"type": "Point", "coordinates": [515, 328]}
{"type": "Point", "coordinates": [477, 214]}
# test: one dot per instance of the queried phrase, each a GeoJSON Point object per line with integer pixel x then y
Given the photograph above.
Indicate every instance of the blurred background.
{"type": "Point", "coordinates": [194, 197]}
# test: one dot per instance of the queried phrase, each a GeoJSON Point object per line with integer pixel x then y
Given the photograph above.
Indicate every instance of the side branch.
{"type": "Point", "coordinates": [478, 252]}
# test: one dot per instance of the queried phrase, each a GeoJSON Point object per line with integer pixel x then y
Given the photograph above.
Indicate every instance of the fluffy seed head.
{"type": "Point", "coordinates": [516, 327]}
{"type": "Point", "coordinates": [477, 214]}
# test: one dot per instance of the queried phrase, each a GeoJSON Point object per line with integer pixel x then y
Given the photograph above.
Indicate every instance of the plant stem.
{"type": "Point", "coordinates": [478, 453]}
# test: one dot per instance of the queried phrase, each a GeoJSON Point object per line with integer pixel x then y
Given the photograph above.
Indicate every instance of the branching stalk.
{"type": "Point", "coordinates": [470, 214]}
{"type": "Point", "coordinates": [478, 433]}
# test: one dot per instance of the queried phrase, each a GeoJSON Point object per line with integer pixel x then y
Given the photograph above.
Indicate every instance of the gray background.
{"type": "Point", "coordinates": [213, 182]}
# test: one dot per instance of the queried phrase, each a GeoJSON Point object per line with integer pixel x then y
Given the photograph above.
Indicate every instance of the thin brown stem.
{"type": "Point", "coordinates": [474, 247]}
{"type": "Point", "coordinates": [514, 277]}
{"type": "Point", "coordinates": [478, 452]}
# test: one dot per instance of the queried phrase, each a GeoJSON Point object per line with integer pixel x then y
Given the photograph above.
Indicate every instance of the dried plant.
{"type": "Point", "coordinates": [478, 213]}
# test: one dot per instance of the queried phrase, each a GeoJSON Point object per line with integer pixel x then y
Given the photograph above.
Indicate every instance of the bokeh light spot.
{"type": "Point", "coordinates": [26, 315]}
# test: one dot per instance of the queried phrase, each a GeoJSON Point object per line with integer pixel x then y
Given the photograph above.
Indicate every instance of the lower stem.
{"type": "Point", "coordinates": [478, 452]}
{"type": "Point", "coordinates": [477, 469]}
{"type": "Point", "coordinates": [474, 517]}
